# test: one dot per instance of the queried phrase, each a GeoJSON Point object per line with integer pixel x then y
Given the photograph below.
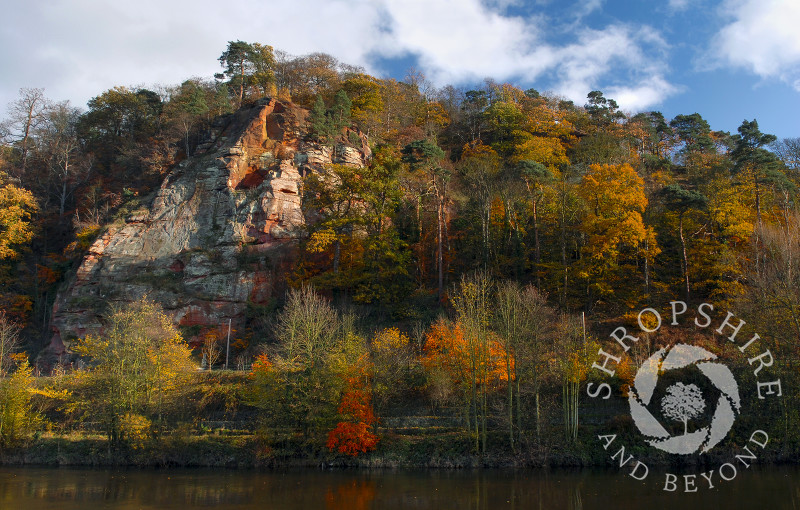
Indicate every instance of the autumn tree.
{"type": "Point", "coordinates": [425, 157]}
{"type": "Point", "coordinates": [354, 433]}
{"type": "Point", "coordinates": [479, 170]}
{"type": "Point", "coordinates": [299, 381]}
{"type": "Point", "coordinates": [367, 104]}
{"type": "Point", "coordinates": [138, 364]}
{"type": "Point", "coordinates": [681, 201]}
{"type": "Point", "coordinates": [472, 300]}
{"type": "Point", "coordinates": [17, 209]}
{"type": "Point", "coordinates": [523, 322]}
{"type": "Point", "coordinates": [754, 162]}
{"type": "Point", "coordinates": [574, 352]}
{"type": "Point", "coordinates": [615, 201]}
{"type": "Point", "coordinates": [356, 208]}
{"type": "Point", "coordinates": [535, 176]}
{"type": "Point", "coordinates": [18, 419]}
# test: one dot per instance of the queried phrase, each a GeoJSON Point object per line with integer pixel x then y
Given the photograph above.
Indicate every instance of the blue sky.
{"type": "Point", "coordinates": [729, 60]}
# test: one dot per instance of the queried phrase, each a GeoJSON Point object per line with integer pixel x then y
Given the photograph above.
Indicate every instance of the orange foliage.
{"type": "Point", "coordinates": [446, 348]}
{"type": "Point", "coordinates": [355, 435]}
{"type": "Point", "coordinates": [261, 366]}
{"type": "Point", "coordinates": [354, 495]}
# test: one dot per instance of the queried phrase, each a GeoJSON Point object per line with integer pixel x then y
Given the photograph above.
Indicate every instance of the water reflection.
{"type": "Point", "coordinates": [67, 489]}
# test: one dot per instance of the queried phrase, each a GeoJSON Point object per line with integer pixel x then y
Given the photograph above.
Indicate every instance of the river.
{"type": "Point", "coordinates": [28, 488]}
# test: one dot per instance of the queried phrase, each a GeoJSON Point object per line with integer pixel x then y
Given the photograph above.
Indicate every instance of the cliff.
{"type": "Point", "coordinates": [217, 235]}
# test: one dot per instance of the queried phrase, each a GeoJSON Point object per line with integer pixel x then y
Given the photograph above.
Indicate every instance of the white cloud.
{"type": "Point", "coordinates": [678, 5]}
{"type": "Point", "coordinates": [78, 48]}
{"type": "Point", "coordinates": [648, 92]}
{"type": "Point", "coordinates": [588, 6]}
{"type": "Point", "coordinates": [762, 37]}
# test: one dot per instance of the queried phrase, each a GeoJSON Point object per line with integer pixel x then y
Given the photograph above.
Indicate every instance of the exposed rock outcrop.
{"type": "Point", "coordinates": [217, 234]}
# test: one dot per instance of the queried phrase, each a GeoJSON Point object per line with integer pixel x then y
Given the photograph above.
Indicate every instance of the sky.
{"type": "Point", "coordinates": [728, 60]}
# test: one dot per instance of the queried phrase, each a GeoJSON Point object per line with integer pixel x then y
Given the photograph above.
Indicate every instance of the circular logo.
{"type": "Point", "coordinates": [681, 403]}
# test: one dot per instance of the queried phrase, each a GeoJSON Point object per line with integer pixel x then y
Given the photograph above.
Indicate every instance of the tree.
{"type": "Point", "coordinates": [9, 343]}
{"type": "Point", "coordinates": [758, 164]}
{"type": "Point", "coordinates": [17, 208]}
{"type": "Point", "coordinates": [60, 147]}
{"type": "Point", "coordinates": [138, 365]}
{"type": "Point", "coordinates": [425, 156]}
{"type": "Point", "coordinates": [248, 65]}
{"type": "Point", "coordinates": [603, 111]}
{"type": "Point", "coordinates": [694, 132]}
{"type": "Point", "coordinates": [683, 403]}
{"type": "Point", "coordinates": [356, 208]}
{"type": "Point", "coordinates": [299, 382]}
{"type": "Point", "coordinates": [536, 176]}
{"type": "Point", "coordinates": [354, 434]}
{"type": "Point", "coordinates": [25, 115]}
{"type": "Point", "coordinates": [17, 416]}
{"type": "Point", "coordinates": [479, 169]}
{"type": "Point", "coordinates": [472, 300]}
{"type": "Point", "coordinates": [615, 199]}
{"type": "Point", "coordinates": [326, 125]}
{"type": "Point", "coordinates": [211, 349]}
{"type": "Point", "coordinates": [367, 103]}
{"type": "Point", "coordinates": [681, 201]}
{"type": "Point", "coordinates": [523, 321]}
{"type": "Point", "coordinates": [788, 150]}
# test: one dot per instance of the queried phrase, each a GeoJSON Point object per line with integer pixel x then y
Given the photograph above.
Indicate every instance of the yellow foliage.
{"type": "Point", "coordinates": [616, 199]}
{"type": "Point", "coordinates": [389, 340]}
{"type": "Point", "coordinates": [17, 207]}
{"type": "Point", "coordinates": [321, 240]}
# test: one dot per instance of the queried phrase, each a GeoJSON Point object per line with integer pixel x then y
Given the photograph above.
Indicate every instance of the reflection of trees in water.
{"type": "Point", "coordinates": [87, 488]}
{"type": "Point", "coordinates": [351, 495]}
{"type": "Point", "coordinates": [575, 502]}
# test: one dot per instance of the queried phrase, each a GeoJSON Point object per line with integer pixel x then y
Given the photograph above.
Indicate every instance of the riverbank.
{"type": "Point", "coordinates": [224, 449]}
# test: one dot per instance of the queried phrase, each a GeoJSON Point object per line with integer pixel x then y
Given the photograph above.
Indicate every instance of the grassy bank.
{"type": "Point", "coordinates": [228, 449]}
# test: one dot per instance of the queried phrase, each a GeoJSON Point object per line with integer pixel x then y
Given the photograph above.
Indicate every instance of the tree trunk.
{"type": "Point", "coordinates": [439, 254]}
{"type": "Point", "coordinates": [685, 259]}
{"type": "Point", "coordinates": [537, 259]}
{"type": "Point", "coordinates": [337, 252]}
{"type": "Point", "coordinates": [510, 401]}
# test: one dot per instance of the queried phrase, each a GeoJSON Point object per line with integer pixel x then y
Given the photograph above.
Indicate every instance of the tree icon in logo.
{"type": "Point", "coordinates": [684, 402]}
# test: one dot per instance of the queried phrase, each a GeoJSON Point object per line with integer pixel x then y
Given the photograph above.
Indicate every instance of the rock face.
{"type": "Point", "coordinates": [218, 233]}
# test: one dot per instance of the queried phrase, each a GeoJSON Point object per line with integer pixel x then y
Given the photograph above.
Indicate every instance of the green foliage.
{"type": "Point", "coordinates": [18, 419]}
{"type": "Point", "coordinates": [249, 67]}
{"type": "Point", "coordinates": [328, 124]}
{"type": "Point", "coordinates": [139, 365]}
{"type": "Point", "coordinates": [356, 207]}
{"type": "Point", "coordinates": [299, 382]}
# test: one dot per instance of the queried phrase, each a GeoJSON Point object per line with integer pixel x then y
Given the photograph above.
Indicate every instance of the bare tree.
{"type": "Point", "coordinates": [25, 115]}
{"type": "Point", "coordinates": [60, 147]}
{"type": "Point", "coordinates": [211, 349]}
{"type": "Point", "coordinates": [788, 150]}
{"type": "Point", "coordinates": [9, 342]}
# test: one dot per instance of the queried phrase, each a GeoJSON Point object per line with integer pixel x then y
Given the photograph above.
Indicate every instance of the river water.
{"type": "Point", "coordinates": [27, 488]}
